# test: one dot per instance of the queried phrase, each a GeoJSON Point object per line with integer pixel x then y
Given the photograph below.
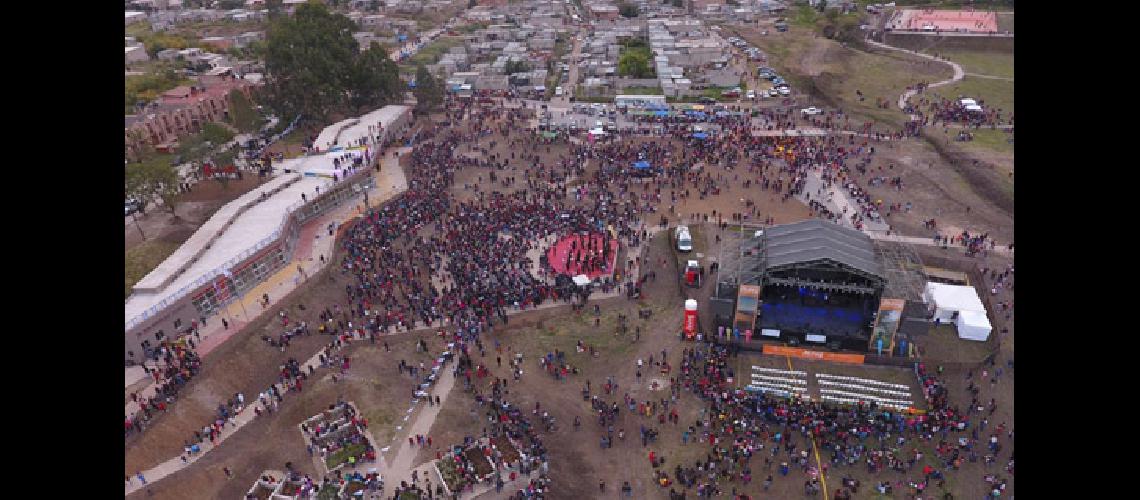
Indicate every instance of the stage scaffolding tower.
{"type": "Point", "coordinates": [739, 257]}
{"type": "Point", "coordinates": [903, 269]}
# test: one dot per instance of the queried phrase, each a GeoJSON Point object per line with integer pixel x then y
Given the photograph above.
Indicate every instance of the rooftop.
{"type": "Point", "coordinates": [244, 225]}
{"type": "Point", "coordinates": [815, 239]}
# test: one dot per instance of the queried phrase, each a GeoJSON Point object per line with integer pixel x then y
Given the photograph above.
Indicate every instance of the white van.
{"type": "Point", "coordinates": [683, 238]}
{"type": "Point", "coordinates": [558, 91]}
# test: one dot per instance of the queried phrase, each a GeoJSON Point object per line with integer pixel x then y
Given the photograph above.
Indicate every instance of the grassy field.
{"type": "Point", "coordinates": [994, 140]}
{"type": "Point", "coordinates": [1005, 22]}
{"type": "Point", "coordinates": [431, 52]}
{"type": "Point", "coordinates": [642, 91]}
{"type": "Point", "coordinates": [980, 62]}
{"type": "Point", "coordinates": [831, 73]}
{"type": "Point", "coordinates": [880, 75]}
{"type": "Point", "coordinates": [991, 93]}
{"type": "Point", "coordinates": [144, 258]}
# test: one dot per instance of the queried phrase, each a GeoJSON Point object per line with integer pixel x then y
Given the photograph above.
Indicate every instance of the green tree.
{"type": "Point", "coordinates": [152, 179]}
{"type": "Point", "coordinates": [678, 3]}
{"type": "Point", "coordinates": [514, 66]}
{"type": "Point", "coordinates": [202, 145]}
{"type": "Point", "coordinates": [822, 5]}
{"type": "Point", "coordinates": [375, 79]}
{"type": "Point", "coordinates": [230, 4]}
{"type": "Point", "coordinates": [309, 61]}
{"type": "Point", "coordinates": [628, 10]}
{"type": "Point", "coordinates": [147, 87]}
{"type": "Point", "coordinates": [429, 93]}
{"type": "Point", "coordinates": [275, 8]}
{"type": "Point", "coordinates": [242, 114]}
{"type": "Point", "coordinates": [471, 4]}
{"type": "Point", "coordinates": [635, 63]}
{"type": "Point", "coordinates": [216, 134]}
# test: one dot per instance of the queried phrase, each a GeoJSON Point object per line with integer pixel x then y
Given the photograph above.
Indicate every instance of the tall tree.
{"type": "Point", "coordinates": [634, 63]}
{"type": "Point", "coordinates": [242, 115]}
{"type": "Point", "coordinates": [152, 179]}
{"type": "Point", "coordinates": [429, 93]}
{"type": "Point", "coordinates": [375, 79]}
{"type": "Point", "coordinates": [309, 59]}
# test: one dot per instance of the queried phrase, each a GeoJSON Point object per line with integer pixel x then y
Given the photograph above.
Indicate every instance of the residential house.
{"type": "Point", "coordinates": [605, 12]}
{"type": "Point", "coordinates": [169, 54]}
{"type": "Point", "coordinates": [219, 42]}
{"type": "Point", "coordinates": [364, 39]}
{"type": "Point", "coordinates": [243, 40]}
{"type": "Point", "coordinates": [290, 6]}
{"type": "Point", "coordinates": [136, 53]}
{"type": "Point", "coordinates": [134, 16]}
{"type": "Point", "coordinates": [375, 22]}
{"type": "Point", "coordinates": [181, 111]}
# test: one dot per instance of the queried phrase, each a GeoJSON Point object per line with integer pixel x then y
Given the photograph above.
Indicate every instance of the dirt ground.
{"type": "Point", "coordinates": [936, 191]}
{"type": "Point", "coordinates": [246, 364]}
{"type": "Point", "coordinates": [192, 209]}
{"type": "Point", "coordinates": [941, 178]}
{"type": "Point", "coordinates": [578, 463]}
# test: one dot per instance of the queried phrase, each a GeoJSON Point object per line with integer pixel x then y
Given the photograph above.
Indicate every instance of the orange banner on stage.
{"type": "Point", "coordinates": [797, 352]}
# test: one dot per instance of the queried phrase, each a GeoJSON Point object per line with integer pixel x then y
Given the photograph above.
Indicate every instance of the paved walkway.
{"type": "Point", "coordinates": [401, 466]}
{"type": "Point", "coordinates": [915, 240]}
{"type": "Point", "coordinates": [836, 199]}
{"type": "Point", "coordinates": [991, 77]}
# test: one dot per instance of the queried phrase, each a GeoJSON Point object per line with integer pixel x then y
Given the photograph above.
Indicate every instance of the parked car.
{"type": "Point", "coordinates": [784, 91]}
{"type": "Point", "coordinates": [811, 111]}
{"type": "Point", "coordinates": [706, 100]}
{"type": "Point", "coordinates": [133, 205]}
{"type": "Point", "coordinates": [751, 94]}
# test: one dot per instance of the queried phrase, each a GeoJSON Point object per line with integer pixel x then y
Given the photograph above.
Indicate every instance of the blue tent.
{"type": "Point", "coordinates": [699, 114]}
{"type": "Point", "coordinates": [723, 113]}
{"type": "Point", "coordinates": [700, 135]}
{"type": "Point", "coordinates": [661, 113]}
{"type": "Point", "coordinates": [641, 165]}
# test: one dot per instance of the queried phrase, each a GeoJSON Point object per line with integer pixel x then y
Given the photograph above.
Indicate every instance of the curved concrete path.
{"type": "Point", "coordinates": [959, 73]}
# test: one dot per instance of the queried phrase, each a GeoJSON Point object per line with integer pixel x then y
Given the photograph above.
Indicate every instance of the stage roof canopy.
{"type": "Point", "coordinates": [814, 240]}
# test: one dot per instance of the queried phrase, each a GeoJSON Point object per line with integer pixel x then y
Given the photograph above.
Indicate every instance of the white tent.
{"type": "Point", "coordinates": [945, 300]}
{"type": "Point", "coordinates": [973, 325]}
{"type": "Point", "coordinates": [581, 280]}
{"type": "Point", "coordinates": [968, 102]}
{"type": "Point", "coordinates": [973, 107]}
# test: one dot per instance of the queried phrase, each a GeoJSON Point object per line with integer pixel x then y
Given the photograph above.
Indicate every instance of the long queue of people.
{"type": "Point", "coordinates": [179, 364]}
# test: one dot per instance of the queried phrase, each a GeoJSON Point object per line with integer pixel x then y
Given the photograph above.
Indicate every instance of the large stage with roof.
{"type": "Point", "coordinates": [820, 283]}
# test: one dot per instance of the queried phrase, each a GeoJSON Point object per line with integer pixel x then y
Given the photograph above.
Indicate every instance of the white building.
{"type": "Point", "coordinates": [134, 16]}
{"type": "Point", "coordinates": [136, 53]}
